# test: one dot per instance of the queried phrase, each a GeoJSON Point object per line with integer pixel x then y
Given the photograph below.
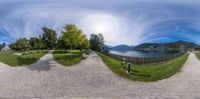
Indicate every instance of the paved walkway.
{"type": "Point", "coordinates": [47, 79]}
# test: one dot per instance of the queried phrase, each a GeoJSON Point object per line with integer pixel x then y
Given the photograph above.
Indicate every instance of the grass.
{"type": "Point", "coordinates": [198, 55]}
{"type": "Point", "coordinates": [63, 57]}
{"type": "Point", "coordinates": [25, 59]}
{"type": "Point", "coordinates": [146, 73]}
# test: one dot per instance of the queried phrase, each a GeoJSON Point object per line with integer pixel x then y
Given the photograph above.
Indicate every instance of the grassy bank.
{"type": "Point", "coordinates": [63, 57]}
{"type": "Point", "coordinates": [146, 73]}
{"type": "Point", "coordinates": [18, 60]}
{"type": "Point", "coordinates": [198, 55]}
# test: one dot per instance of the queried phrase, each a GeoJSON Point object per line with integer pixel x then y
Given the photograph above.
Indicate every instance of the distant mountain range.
{"type": "Point", "coordinates": [171, 46]}
{"type": "Point", "coordinates": [119, 47]}
{"type": "Point", "coordinates": [122, 47]}
{"type": "Point", "coordinates": [179, 45]}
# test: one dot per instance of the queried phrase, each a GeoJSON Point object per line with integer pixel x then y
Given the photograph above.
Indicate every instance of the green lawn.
{"type": "Point", "coordinates": [63, 57]}
{"type": "Point", "coordinates": [198, 55]}
{"type": "Point", "coordinates": [25, 59]}
{"type": "Point", "coordinates": [146, 73]}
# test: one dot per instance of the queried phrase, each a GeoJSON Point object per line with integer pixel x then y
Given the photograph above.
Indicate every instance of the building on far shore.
{"type": "Point", "coordinates": [197, 49]}
{"type": "Point", "coordinates": [6, 48]}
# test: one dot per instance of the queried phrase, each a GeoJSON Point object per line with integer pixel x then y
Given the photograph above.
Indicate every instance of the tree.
{"type": "Point", "coordinates": [96, 42]}
{"type": "Point", "coordinates": [83, 42]}
{"type": "Point", "coordinates": [49, 38]}
{"type": "Point", "coordinates": [22, 44]}
{"type": "Point", "coordinates": [40, 44]}
{"type": "Point", "coordinates": [13, 46]}
{"type": "Point", "coordinates": [101, 42]}
{"type": "Point", "coordinates": [34, 43]}
{"type": "Point", "coordinates": [72, 36]}
{"type": "Point", "coordinates": [60, 44]}
{"type": "Point", "coordinates": [93, 42]}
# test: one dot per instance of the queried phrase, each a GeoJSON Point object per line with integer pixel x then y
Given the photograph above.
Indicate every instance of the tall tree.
{"type": "Point", "coordinates": [83, 42]}
{"type": "Point", "coordinates": [96, 42]}
{"type": "Point", "coordinates": [72, 36]}
{"type": "Point", "coordinates": [13, 46]}
{"type": "Point", "coordinates": [101, 42]}
{"type": "Point", "coordinates": [22, 44]}
{"type": "Point", "coordinates": [34, 43]}
{"type": "Point", "coordinates": [49, 37]}
{"type": "Point", "coordinates": [60, 44]}
{"type": "Point", "coordinates": [40, 44]}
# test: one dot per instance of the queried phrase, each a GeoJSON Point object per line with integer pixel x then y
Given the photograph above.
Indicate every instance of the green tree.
{"type": "Point", "coordinates": [83, 42]}
{"type": "Point", "coordinates": [96, 42]}
{"type": "Point", "coordinates": [60, 44]}
{"type": "Point", "coordinates": [49, 38]}
{"type": "Point", "coordinates": [22, 44]}
{"type": "Point", "coordinates": [72, 36]}
{"type": "Point", "coordinates": [34, 43]}
{"type": "Point", "coordinates": [100, 42]}
{"type": "Point", "coordinates": [40, 44]}
{"type": "Point", "coordinates": [13, 46]}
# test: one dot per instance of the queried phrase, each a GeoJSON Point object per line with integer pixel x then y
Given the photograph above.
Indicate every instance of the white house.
{"type": "Point", "coordinates": [6, 49]}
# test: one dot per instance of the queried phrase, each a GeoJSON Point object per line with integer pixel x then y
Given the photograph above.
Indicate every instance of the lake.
{"type": "Point", "coordinates": [133, 53]}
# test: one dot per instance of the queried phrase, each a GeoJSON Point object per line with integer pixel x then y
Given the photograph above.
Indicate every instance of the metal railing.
{"type": "Point", "coordinates": [140, 60]}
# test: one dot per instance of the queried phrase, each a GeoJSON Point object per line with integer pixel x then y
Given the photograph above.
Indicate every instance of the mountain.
{"type": "Point", "coordinates": [107, 47]}
{"type": "Point", "coordinates": [122, 47]}
{"type": "Point", "coordinates": [178, 46]}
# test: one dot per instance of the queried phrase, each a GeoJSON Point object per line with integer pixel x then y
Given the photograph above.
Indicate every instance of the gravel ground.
{"type": "Point", "coordinates": [47, 79]}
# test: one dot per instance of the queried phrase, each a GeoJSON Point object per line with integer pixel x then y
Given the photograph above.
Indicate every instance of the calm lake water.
{"type": "Point", "coordinates": [142, 53]}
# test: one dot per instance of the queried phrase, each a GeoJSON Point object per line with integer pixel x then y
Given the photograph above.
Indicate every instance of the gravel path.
{"type": "Point", "coordinates": [47, 79]}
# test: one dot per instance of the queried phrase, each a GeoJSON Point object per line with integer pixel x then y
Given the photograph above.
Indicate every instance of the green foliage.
{"type": "Point", "coordinates": [25, 59]}
{"type": "Point", "coordinates": [74, 37]}
{"type": "Point", "coordinates": [198, 55]}
{"type": "Point", "coordinates": [96, 42]}
{"type": "Point", "coordinates": [85, 44]}
{"type": "Point", "coordinates": [21, 44]}
{"type": "Point", "coordinates": [35, 43]}
{"type": "Point", "coordinates": [63, 57]}
{"type": "Point", "coordinates": [60, 44]}
{"type": "Point", "coordinates": [71, 37]}
{"type": "Point", "coordinates": [49, 38]}
{"type": "Point", "coordinates": [152, 72]}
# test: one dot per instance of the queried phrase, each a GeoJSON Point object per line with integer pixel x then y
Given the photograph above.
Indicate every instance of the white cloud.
{"type": "Point", "coordinates": [129, 22]}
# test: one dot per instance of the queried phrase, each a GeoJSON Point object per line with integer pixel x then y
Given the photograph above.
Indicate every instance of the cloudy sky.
{"type": "Point", "coordinates": [120, 21]}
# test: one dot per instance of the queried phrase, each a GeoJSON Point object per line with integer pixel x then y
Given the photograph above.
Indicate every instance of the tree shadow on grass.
{"type": "Point", "coordinates": [68, 52]}
{"type": "Point", "coordinates": [140, 74]}
{"type": "Point", "coordinates": [68, 56]}
{"type": "Point", "coordinates": [26, 60]}
{"type": "Point", "coordinates": [61, 52]}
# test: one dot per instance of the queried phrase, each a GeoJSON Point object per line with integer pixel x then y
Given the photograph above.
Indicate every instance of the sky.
{"type": "Point", "coordinates": [130, 22]}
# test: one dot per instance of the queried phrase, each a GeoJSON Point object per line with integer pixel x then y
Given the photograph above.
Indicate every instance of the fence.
{"type": "Point", "coordinates": [140, 61]}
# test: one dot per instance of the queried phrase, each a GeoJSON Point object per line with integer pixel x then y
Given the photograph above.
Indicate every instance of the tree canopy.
{"type": "Point", "coordinates": [71, 37]}
{"type": "Point", "coordinates": [74, 37]}
{"type": "Point", "coordinates": [49, 37]}
{"type": "Point", "coordinates": [22, 44]}
{"type": "Point", "coordinates": [96, 42]}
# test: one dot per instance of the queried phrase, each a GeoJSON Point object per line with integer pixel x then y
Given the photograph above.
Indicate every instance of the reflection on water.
{"type": "Point", "coordinates": [133, 53]}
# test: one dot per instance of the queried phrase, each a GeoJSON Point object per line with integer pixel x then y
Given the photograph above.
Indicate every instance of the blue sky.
{"type": "Point", "coordinates": [120, 21]}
